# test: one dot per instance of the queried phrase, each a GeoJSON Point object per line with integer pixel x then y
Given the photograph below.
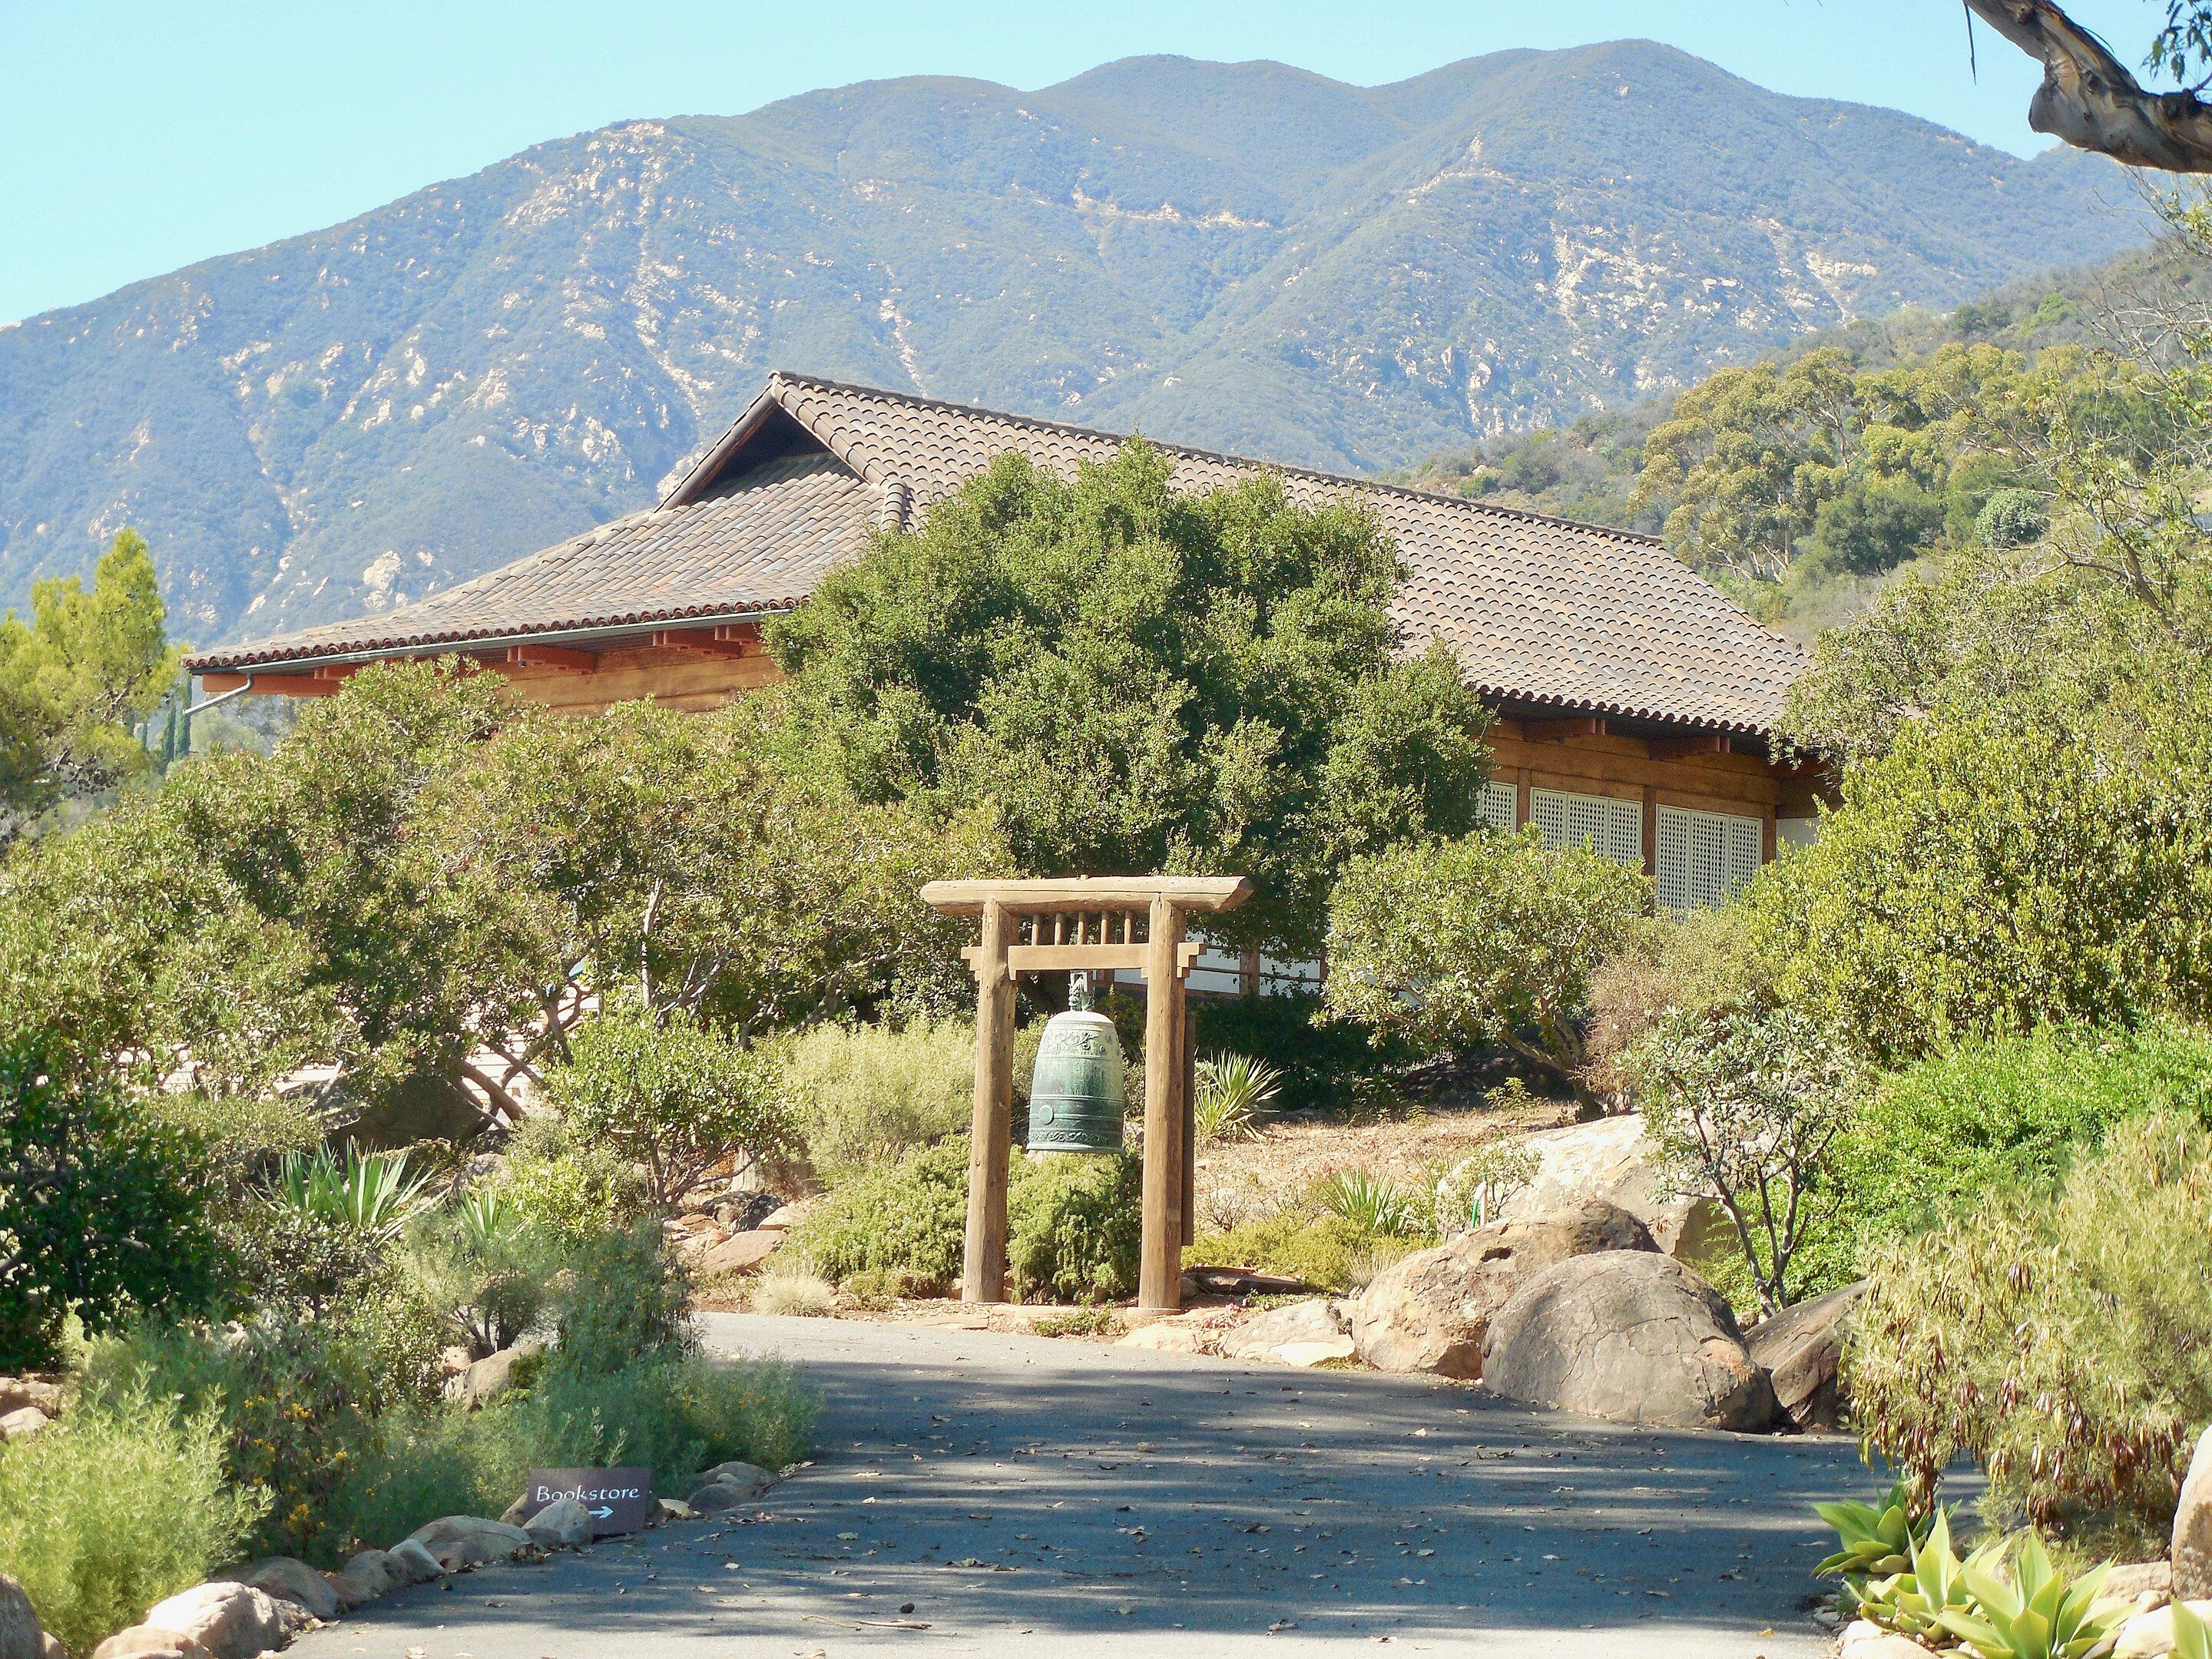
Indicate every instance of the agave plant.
{"type": "Point", "coordinates": [1876, 1540]}
{"type": "Point", "coordinates": [1231, 1089]}
{"type": "Point", "coordinates": [1913, 1603]}
{"type": "Point", "coordinates": [371, 1193]}
{"type": "Point", "coordinates": [1374, 1204]}
{"type": "Point", "coordinates": [2192, 1639]}
{"type": "Point", "coordinates": [2034, 1611]}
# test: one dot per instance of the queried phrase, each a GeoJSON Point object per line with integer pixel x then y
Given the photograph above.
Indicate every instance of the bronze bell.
{"type": "Point", "coordinates": [1078, 1093]}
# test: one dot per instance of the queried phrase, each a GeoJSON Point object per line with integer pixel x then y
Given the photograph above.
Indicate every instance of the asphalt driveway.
{"type": "Point", "coordinates": [976, 1492]}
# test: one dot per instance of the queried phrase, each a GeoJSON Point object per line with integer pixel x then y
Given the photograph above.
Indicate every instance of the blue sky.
{"type": "Point", "coordinates": [141, 136]}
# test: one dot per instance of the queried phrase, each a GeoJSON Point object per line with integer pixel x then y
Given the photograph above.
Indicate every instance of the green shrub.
{"type": "Point", "coordinates": [103, 1210]}
{"type": "Point", "coordinates": [121, 1504]}
{"type": "Point", "coordinates": [2063, 1342]}
{"type": "Point", "coordinates": [909, 1218]}
{"type": "Point", "coordinates": [1374, 1204]}
{"type": "Point", "coordinates": [1230, 1091]}
{"type": "Point", "coordinates": [568, 1189]}
{"type": "Point", "coordinates": [668, 1094]}
{"type": "Point", "coordinates": [1926, 1143]}
{"type": "Point", "coordinates": [621, 1299]}
{"type": "Point", "coordinates": [1074, 1224]}
{"type": "Point", "coordinates": [1324, 1063]}
{"type": "Point", "coordinates": [1327, 1251]}
{"type": "Point", "coordinates": [865, 1093]}
{"type": "Point", "coordinates": [488, 1273]}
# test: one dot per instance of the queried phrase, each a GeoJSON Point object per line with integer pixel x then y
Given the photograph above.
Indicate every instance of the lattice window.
{"type": "Point", "coordinates": [1705, 857]}
{"type": "Point", "coordinates": [1605, 823]}
{"type": "Point", "coordinates": [1500, 805]}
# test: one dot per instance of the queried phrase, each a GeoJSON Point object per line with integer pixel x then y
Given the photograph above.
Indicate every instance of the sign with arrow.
{"type": "Point", "coordinates": [617, 1500]}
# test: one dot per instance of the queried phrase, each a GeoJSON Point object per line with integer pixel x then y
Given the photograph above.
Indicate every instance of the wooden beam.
{"type": "Point", "coordinates": [1187, 1130]}
{"type": "Point", "coordinates": [739, 633]}
{"type": "Point", "coordinates": [698, 641]}
{"type": "Point", "coordinates": [1582, 726]}
{"type": "Point", "coordinates": [216, 683]}
{"type": "Point", "coordinates": [338, 670]}
{"type": "Point", "coordinates": [1701, 743]}
{"type": "Point", "coordinates": [559, 657]}
{"type": "Point", "coordinates": [292, 685]}
{"type": "Point", "coordinates": [1159, 1274]}
{"type": "Point", "coordinates": [1203, 894]}
{"type": "Point", "coordinates": [983, 1272]}
{"type": "Point", "coordinates": [1070, 958]}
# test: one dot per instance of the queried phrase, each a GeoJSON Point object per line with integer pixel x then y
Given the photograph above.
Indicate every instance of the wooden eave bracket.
{"type": "Point", "coordinates": [724, 642]}
{"type": "Point", "coordinates": [1582, 726]}
{"type": "Point", "coordinates": [1701, 743]}
{"type": "Point", "coordinates": [559, 657]}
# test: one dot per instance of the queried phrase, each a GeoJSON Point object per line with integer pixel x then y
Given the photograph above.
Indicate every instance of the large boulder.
{"type": "Point", "coordinates": [231, 1620]}
{"type": "Point", "coordinates": [2149, 1634]}
{"type": "Point", "coordinates": [741, 1253]}
{"type": "Point", "coordinates": [410, 1562]}
{"type": "Point", "coordinates": [1611, 1159]}
{"type": "Point", "coordinates": [2192, 1528]}
{"type": "Point", "coordinates": [486, 1379]}
{"type": "Point", "coordinates": [562, 1524]}
{"type": "Point", "coordinates": [291, 1580]}
{"type": "Point", "coordinates": [1316, 1319]}
{"type": "Point", "coordinates": [149, 1642]}
{"type": "Point", "coordinates": [1803, 1349]}
{"type": "Point", "coordinates": [1430, 1311]}
{"type": "Point", "coordinates": [20, 1635]}
{"type": "Point", "coordinates": [459, 1542]}
{"type": "Point", "coordinates": [1631, 1336]}
{"type": "Point", "coordinates": [375, 1572]}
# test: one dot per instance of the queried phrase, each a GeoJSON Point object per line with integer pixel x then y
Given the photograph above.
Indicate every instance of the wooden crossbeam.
{"type": "Point", "coordinates": [1582, 726]}
{"type": "Point", "coordinates": [1672, 747]}
{"type": "Point", "coordinates": [338, 670]}
{"type": "Point", "coordinates": [700, 642]}
{"type": "Point", "coordinates": [1204, 894]}
{"type": "Point", "coordinates": [1073, 959]}
{"type": "Point", "coordinates": [556, 657]}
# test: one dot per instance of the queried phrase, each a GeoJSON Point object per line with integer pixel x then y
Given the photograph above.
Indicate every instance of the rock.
{"type": "Point", "coordinates": [672, 1509]}
{"type": "Point", "coordinates": [149, 1642]}
{"type": "Point", "coordinates": [749, 1478]}
{"type": "Point", "coordinates": [1166, 1336]}
{"type": "Point", "coordinates": [2150, 1634]}
{"type": "Point", "coordinates": [291, 1580]}
{"type": "Point", "coordinates": [718, 1495]}
{"type": "Point", "coordinates": [20, 1635]}
{"type": "Point", "coordinates": [781, 1220]}
{"type": "Point", "coordinates": [350, 1591]}
{"type": "Point", "coordinates": [562, 1524]}
{"type": "Point", "coordinates": [1632, 1336]}
{"type": "Point", "coordinates": [1803, 1349]}
{"type": "Point", "coordinates": [17, 1392]}
{"type": "Point", "coordinates": [375, 1572]}
{"type": "Point", "coordinates": [231, 1620]}
{"type": "Point", "coordinates": [2130, 1581]}
{"type": "Point", "coordinates": [1314, 1320]}
{"type": "Point", "coordinates": [22, 1423]}
{"type": "Point", "coordinates": [410, 1563]}
{"type": "Point", "coordinates": [1238, 1281]}
{"type": "Point", "coordinates": [1856, 1634]}
{"type": "Point", "coordinates": [460, 1541]}
{"type": "Point", "coordinates": [1884, 1645]}
{"type": "Point", "coordinates": [1611, 1159]}
{"type": "Point", "coordinates": [49, 1646]}
{"type": "Point", "coordinates": [1315, 1354]}
{"type": "Point", "coordinates": [2192, 1554]}
{"type": "Point", "coordinates": [492, 1375]}
{"type": "Point", "coordinates": [739, 1253]}
{"type": "Point", "coordinates": [1430, 1311]}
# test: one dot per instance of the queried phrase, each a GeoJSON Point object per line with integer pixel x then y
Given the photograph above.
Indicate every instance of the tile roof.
{"type": "Point", "coordinates": [1538, 610]}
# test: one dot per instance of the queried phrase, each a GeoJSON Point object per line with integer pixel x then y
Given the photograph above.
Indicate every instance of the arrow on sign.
{"type": "Point", "coordinates": [603, 1511]}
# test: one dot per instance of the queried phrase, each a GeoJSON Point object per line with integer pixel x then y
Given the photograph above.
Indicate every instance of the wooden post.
{"type": "Point", "coordinates": [1159, 1279]}
{"type": "Point", "coordinates": [1187, 1195]}
{"type": "Point", "coordinates": [983, 1278]}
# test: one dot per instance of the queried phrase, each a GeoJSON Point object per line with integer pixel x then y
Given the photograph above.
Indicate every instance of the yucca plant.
{"type": "Point", "coordinates": [1875, 1540]}
{"type": "Point", "coordinates": [488, 1216]}
{"type": "Point", "coordinates": [370, 1193]}
{"type": "Point", "coordinates": [1374, 1204]}
{"type": "Point", "coordinates": [2034, 1611]}
{"type": "Point", "coordinates": [1230, 1091]}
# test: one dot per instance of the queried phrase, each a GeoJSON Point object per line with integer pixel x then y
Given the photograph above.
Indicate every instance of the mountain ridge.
{"type": "Point", "coordinates": [1247, 257]}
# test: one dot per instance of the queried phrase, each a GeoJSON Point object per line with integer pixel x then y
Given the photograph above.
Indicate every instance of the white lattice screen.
{"type": "Point", "coordinates": [1500, 805]}
{"type": "Point", "coordinates": [1603, 823]}
{"type": "Point", "coordinates": [1704, 857]}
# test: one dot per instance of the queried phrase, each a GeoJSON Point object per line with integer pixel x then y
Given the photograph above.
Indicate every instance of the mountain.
{"type": "Point", "coordinates": [1239, 256]}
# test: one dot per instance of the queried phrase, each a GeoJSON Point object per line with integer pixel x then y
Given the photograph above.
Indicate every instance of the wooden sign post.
{"type": "Point", "coordinates": [1065, 925]}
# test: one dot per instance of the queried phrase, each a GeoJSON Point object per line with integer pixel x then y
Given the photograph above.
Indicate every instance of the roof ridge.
{"type": "Point", "coordinates": [920, 400]}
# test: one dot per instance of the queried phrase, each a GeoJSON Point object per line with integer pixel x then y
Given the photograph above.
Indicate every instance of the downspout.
{"type": "Point", "coordinates": [221, 697]}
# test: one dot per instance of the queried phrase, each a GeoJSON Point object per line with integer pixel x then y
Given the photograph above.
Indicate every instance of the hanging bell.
{"type": "Point", "coordinates": [1077, 1094]}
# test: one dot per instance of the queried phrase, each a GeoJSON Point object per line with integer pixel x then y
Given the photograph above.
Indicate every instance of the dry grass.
{"type": "Point", "coordinates": [793, 1293]}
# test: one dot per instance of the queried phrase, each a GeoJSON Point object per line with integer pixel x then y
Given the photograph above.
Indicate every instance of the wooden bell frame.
{"type": "Point", "coordinates": [1066, 926]}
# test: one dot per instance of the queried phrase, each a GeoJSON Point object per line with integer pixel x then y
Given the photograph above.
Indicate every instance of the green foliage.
{"type": "Point", "coordinates": [76, 679]}
{"type": "Point", "coordinates": [369, 1192]}
{"type": "Point", "coordinates": [1744, 1104]}
{"type": "Point", "coordinates": [1374, 1204]}
{"type": "Point", "coordinates": [1471, 1191]}
{"type": "Point", "coordinates": [1696, 962]}
{"type": "Point", "coordinates": [620, 1298]}
{"type": "Point", "coordinates": [1257, 720]}
{"type": "Point", "coordinates": [1230, 1092]}
{"type": "Point", "coordinates": [1490, 940]}
{"type": "Point", "coordinates": [2060, 1340]}
{"type": "Point", "coordinates": [1305, 1241]}
{"type": "Point", "coordinates": [2192, 1637]}
{"type": "Point", "coordinates": [863, 1094]}
{"type": "Point", "coordinates": [909, 1218]}
{"type": "Point", "coordinates": [1074, 1224]}
{"type": "Point", "coordinates": [103, 1211]}
{"type": "Point", "coordinates": [1875, 1540]}
{"type": "Point", "coordinates": [1917, 1600]}
{"type": "Point", "coordinates": [488, 1275]}
{"type": "Point", "coordinates": [668, 1094]}
{"type": "Point", "coordinates": [566, 1190]}
{"type": "Point", "coordinates": [1324, 1064]}
{"type": "Point", "coordinates": [120, 1504]}
{"type": "Point", "coordinates": [2033, 1611]}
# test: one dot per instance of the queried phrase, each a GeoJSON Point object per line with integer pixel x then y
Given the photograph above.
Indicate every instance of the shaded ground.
{"type": "Point", "coordinates": [1024, 1496]}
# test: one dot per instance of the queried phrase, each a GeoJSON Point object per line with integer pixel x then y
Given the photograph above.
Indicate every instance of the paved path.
{"type": "Point", "coordinates": [982, 1493]}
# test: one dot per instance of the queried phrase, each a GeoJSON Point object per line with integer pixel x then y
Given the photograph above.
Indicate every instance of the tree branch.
{"type": "Point", "coordinates": [2090, 101]}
